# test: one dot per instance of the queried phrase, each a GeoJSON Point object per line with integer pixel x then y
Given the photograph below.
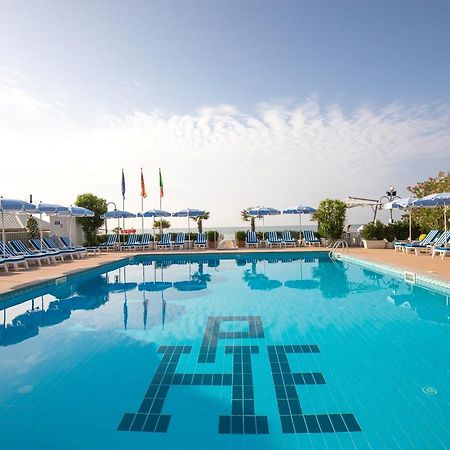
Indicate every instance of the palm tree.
{"type": "Point", "coordinates": [246, 217]}
{"type": "Point", "coordinates": [200, 219]}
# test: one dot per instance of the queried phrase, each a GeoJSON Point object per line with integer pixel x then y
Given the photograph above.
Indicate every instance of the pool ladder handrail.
{"type": "Point", "coordinates": [341, 243]}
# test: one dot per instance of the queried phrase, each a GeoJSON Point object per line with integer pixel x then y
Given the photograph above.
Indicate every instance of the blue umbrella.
{"type": "Point", "coordinates": [261, 211]}
{"type": "Point", "coordinates": [76, 211]}
{"type": "Point", "coordinates": [50, 209]}
{"type": "Point", "coordinates": [13, 206]}
{"type": "Point", "coordinates": [189, 212]}
{"type": "Point", "coordinates": [154, 213]}
{"type": "Point", "coordinates": [430, 201]}
{"type": "Point", "coordinates": [117, 214]}
{"type": "Point", "coordinates": [300, 209]}
{"type": "Point", "coordinates": [406, 203]}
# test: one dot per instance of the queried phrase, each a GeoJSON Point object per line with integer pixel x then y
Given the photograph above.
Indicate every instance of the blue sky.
{"type": "Point", "coordinates": [226, 77]}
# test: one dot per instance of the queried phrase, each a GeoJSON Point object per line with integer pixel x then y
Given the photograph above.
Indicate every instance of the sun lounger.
{"type": "Point", "coordinates": [273, 239]}
{"type": "Point", "coordinates": [67, 244]}
{"type": "Point", "coordinates": [180, 241]}
{"type": "Point", "coordinates": [21, 249]}
{"type": "Point", "coordinates": [146, 242]}
{"type": "Point", "coordinates": [427, 248]}
{"type": "Point", "coordinates": [251, 239]}
{"type": "Point", "coordinates": [51, 245]}
{"type": "Point", "coordinates": [10, 259]}
{"type": "Point", "coordinates": [430, 237]}
{"type": "Point", "coordinates": [309, 238]}
{"type": "Point", "coordinates": [287, 239]}
{"type": "Point", "coordinates": [39, 247]}
{"type": "Point", "coordinates": [165, 241]}
{"type": "Point", "coordinates": [132, 243]}
{"type": "Point", "coordinates": [27, 254]}
{"type": "Point", "coordinates": [110, 243]}
{"type": "Point", "coordinates": [443, 251]}
{"type": "Point", "coordinates": [201, 241]}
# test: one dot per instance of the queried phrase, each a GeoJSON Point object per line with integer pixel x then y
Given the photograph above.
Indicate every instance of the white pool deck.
{"type": "Point", "coordinates": [435, 268]}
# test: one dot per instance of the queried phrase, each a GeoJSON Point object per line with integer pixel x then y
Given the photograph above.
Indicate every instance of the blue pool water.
{"type": "Point", "coordinates": [273, 352]}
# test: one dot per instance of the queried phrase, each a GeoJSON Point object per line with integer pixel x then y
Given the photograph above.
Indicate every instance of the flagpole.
{"type": "Point", "coordinates": [160, 203]}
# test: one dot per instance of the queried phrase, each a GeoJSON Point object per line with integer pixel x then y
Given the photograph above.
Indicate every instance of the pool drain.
{"type": "Point", "coordinates": [429, 390]}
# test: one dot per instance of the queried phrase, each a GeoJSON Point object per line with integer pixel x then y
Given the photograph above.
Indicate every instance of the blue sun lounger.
{"type": "Point", "coordinates": [145, 241]}
{"type": "Point", "coordinates": [273, 239]}
{"type": "Point", "coordinates": [430, 237]}
{"type": "Point", "coordinates": [39, 247]}
{"type": "Point", "coordinates": [310, 238]}
{"type": "Point", "coordinates": [18, 248]}
{"type": "Point", "coordinates": [51, 245]}
{"type": "Point", "coordinates": [443, 251]}
{"type": "Point", "coordinates": [132, 243]}
{"type": "Point", "coordinates": [425, 243]}
{"type": "Point", "coordinates": [287, 239]}
{"type": "Point", "coordinates": [180, 241]}
{"type": "Point", "coordinates": [201, 241]}
{"type": "Point", "coordinates": [439, 243]}
{"type": "Point", "coordinates": [10, 259]}
{"type": "Point", "coordinates": [88, 250]}
{"type": "Point", "coordinates": [165, 241]}
{"type": "Point", "coordinates": [110, 243]}
{"type": "Point", "coordinates": [251, 239]}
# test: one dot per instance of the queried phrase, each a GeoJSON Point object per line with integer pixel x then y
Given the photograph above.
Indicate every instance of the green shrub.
{"type": "Point", "coordinates": [374, 231]}
{"type": "Point", "coordinates": [400, 230]}
{"type": "Point", "coordinates": [212, 235]}
{"type": "Point", "coordinates": [331, 218]}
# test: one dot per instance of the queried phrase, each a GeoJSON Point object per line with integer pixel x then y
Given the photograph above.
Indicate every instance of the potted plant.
{"type": "Point", "coordinates": [373, 235]}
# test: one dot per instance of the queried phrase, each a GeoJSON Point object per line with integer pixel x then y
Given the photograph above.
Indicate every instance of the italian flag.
{"type": "Point", "coordinates": [161, 186]}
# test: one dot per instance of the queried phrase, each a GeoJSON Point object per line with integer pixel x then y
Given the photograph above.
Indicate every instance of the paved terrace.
{"type": "Point", "coordinates": [423, 264]}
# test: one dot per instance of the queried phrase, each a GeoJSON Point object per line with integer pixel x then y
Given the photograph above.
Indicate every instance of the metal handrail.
{"type": "Point", "coordinates": [340, 243]}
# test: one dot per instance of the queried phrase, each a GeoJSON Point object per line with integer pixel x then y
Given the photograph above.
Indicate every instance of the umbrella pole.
{"type": "Point", "coordinates": [300, 233]}
{"type": "Point", "coordinates": [410, 226]}
{"type": "Point", "coordinates": [445, 225]}
{"type": "Point", "coordinates": [3, 234]}
{"type": "Point", "coordinates": [264, 236]}
{"type": "Point", "coordinates": [40, 229]}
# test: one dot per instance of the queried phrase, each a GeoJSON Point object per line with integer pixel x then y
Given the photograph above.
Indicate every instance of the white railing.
{"type": "Point", "coordinates": [336, 246]}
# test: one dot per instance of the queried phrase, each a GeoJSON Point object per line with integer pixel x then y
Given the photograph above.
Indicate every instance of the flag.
{"type": "Point", "coordinates": [123, 184]}
{"type": "Point", "coordinates": [143, 192]}
{"type": "Point", "coordinates": [161, 187]}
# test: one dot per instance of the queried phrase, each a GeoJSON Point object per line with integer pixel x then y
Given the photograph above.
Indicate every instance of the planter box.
{"type": "Point", "coordinates": [374, 243]}
{"type": "Point", "coordinates": [389, 245]}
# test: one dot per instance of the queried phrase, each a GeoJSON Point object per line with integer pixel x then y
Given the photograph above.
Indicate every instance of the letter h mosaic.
{"type": "Point", "coordinates": [243, 418]}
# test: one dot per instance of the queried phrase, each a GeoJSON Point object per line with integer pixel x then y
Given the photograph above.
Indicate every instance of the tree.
{"type": "Point", "coordinates": [90, 225]}
{"type": "Point", "coordinates": [163, 223]}
{"type": "Point", "coordinates": [331, 218]}
{"type": "Point", "coordinates": [32, 227]}
{"type": "Point", "coordinates": [429, 218]}
{"type": "Point", "coordinates": [200, 220]}
{"type": "Point", "coordinates": [246, 217]}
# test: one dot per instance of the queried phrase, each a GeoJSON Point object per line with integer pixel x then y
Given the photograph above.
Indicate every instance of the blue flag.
{"type": "Point", "coordinates": [123, 184]}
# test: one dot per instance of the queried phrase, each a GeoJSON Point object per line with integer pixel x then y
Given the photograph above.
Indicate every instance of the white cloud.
{"type": "Point", "coordinates": [217, 157]}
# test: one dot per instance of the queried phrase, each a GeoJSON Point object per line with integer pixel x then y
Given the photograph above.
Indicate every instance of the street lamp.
{"type": "Point", "coordinates": [106, 220]}
{"type": "Point", "coordinates": [391, 194]}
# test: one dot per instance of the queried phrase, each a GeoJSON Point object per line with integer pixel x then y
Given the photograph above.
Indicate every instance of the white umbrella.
{"type": "Point", "coordinates": [117, 214]}
{"type": "Point", "coordinates": [13, 206]}
{"type": "Point", "coordinates": [49, 209]}
{"type": "Point", "coordinates": [433, 200]}
{"type": "Point", "coordinates": [76, 211]}
{"type": "Point", "coordinates": [154, 213]}
{"type": "Point", "coordinates": [406, 203]}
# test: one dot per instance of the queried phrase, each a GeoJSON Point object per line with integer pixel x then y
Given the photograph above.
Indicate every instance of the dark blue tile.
{"type": "Point", "coordinates": [324, 423]}
{"type": "Point", "coordinates": [163, 424]}
{"type": "Point", "coordinates": [145, 405]}
{"type": "Point", "coordinates": [237, 424]}
{"type": "Point", "coordinates": [262, 426]}
{"type": "Point", "coordinates": [309, 379]}
{"type": "Point", "coordinates": [286, 424]}
{"type": "Point", "coordinates": [224, 424]}
{"type": "Point", "coordinates": [249, 424]}
{"type": "Point", "coordinates": [311, 423]}
{"type": "Point", "coordinates": [318, 378]}
{"type": "Point", "coordinates": [350, 422]}
{"type": "Point", "coordinates": [338, 422]}
{"type": "Point", "coordinates": [294, 406]}
{"type": "Point", "coordinates": [151, 422]}
{"type": "Point", "coordinates": [299, 424]}
{"type": "Point", "coordinates": [138, 422]}
{"type": "Point", "coordinates": [126, 422]}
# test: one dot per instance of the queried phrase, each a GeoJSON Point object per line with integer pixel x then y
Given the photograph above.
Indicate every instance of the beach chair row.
{"type": "Point", "coordinates": [145, 242]}
{"type": "Point", "coordinates": [283, 239]}
{"type": "Point", "coordinates": [16, 254]}
{"type": "Point", "coordinates": [434, 243]}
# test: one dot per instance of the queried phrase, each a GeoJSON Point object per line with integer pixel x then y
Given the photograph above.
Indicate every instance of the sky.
{"type": "Point", "coordinates": [241, 103]}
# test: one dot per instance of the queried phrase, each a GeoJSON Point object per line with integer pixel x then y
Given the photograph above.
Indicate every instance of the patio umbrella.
{"type": "Point", "coordinates": [154, 213]}
{"type": "Point", "coordinates": [117, 214]}
{"type": "Point", "coordinates": [261, 211]}
{"type": "Point", "coordinates": [13, 206]}
{"type": "Point", "coordinates": [189, 212]}
{"type": "Point", "coordinates": [300, 209]}
{"type": "Point", "coordinates": [50, 209]}
{"type": "Point", "coordinates": [433, 200]}
{"type": "Point", "coordinates": [406, 203]}
{"type": "Point", "coordinates": [76, 211]}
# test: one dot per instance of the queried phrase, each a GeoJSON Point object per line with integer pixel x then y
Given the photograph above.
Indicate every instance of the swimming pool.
{"type": "Point", "coordinates": [266, 351]}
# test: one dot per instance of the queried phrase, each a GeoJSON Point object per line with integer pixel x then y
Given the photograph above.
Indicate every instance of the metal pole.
{"type": "Point", "coordinates": [142, 211]}
{"type": "Point", "coordinates": [3, 235]}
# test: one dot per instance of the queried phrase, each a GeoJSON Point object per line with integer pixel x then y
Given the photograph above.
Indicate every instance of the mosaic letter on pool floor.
{"type": "Point", "coordinates": [243, 419]}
